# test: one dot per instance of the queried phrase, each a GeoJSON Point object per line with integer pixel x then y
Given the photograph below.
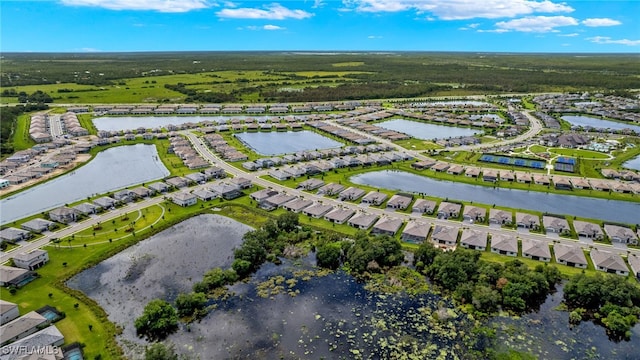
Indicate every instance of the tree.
{"type": "Point", "coordinates": [287, 222]}
{"type": "Point", "coordinates": [188, 304]}
{"type": "Point", "coordinates": [160, 351]}
{"type": "Point", "coordinates": [328, 255]}
{"type": "Point", "coordinates": [158, 320]}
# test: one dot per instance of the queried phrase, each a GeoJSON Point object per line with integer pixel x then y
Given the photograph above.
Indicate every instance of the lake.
{"type": "Point", "coordinates": [112, 169]}
{"type": "Point", "coordinates": [597, 123]}
{"type": "Point", "coordinates": [612, 210]}
{"type": "Point", "coordinates": [118, 123]}
{"type": "Point", "coordinates": [278, 143]}
{"type": "Point", "coordinates": [424, 131]}
{"type": "Point", "coordinates": [633, 163]}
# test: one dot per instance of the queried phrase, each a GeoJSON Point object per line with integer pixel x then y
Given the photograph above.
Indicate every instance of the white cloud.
{"type": "Point", "coordinates": [271, 12]}
{"type": "Point", "coordinates": [608, 40]}
{"type": "Point", "coordinates": [569, 35]}
{"type": "Point", "coordinates": [90, 49]}
{"type": "Point", "coordinates": [598, 22]}
{"type": "Point", "coordinates": [538, 24]}
{"type": "Point", "coordinates": [461, 9]}
{"type": "Point", "coordinates": [273, 27]}
{"type": "Point", "coordinates": [170, 6]}
{"type": "Point", "coordinates": [374, 37]}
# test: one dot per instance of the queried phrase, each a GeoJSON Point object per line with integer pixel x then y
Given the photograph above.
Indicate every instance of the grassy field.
{"type": "Point", "coordinates": [418, 144]}
{"type": "Point", "coordinates": [21, 138]}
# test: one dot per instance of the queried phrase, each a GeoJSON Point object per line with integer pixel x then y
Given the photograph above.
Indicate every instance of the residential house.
{"type": "Point", "coordinates": [8, 311]}
{"type": "Point", "coordinates": [330, 189]}
{"type": "Point", "coordinates": [387, 226]}
{"type": "Point", "coordinates": [46, 341]}
{"type": "Point", "coordinates": [634, 263]}
{"type": "Point", "coordinates": [527, 221]}
{"type": "Point", "coordinates": [241, 183]}
{"type": "Point", "coordinates": [474, 213]}
{"type": "Point", "coordinates": [159, 187]}
{"type": "Point", "coordinates": [448, 210]}
{"type": "Point", "coordinates": [609, 262]}
{"type": "Point", "coordinates": [184, 199]}
{"type": "Point", "coordinates": [415, 231]}
{"type": "Point", "coordinates": [588, 230]}
{"type": "Point", "coordinates": [504, 244]}
{"type": "Point", "coordinates": [524, 178]}
{"type": "Point", "coordinates": [21, 327]}
{"type": "Point", "coordinates": [570, 255]}
{"type": "Point", "coordinates": [374, 198]}
{"type": "Point", "coordinates": [561, 183]}
{"type": "Point", "coordinates": [536, 250]}
{"type": "Point", "coordinates": [554, 224]}
{"type": "Point", "coordinates": [424, 206]}
{"type": "Point", "coordinates": [141, 192]}
{"type": "Point", "coordinates": [339, 215]}
{"type": "Point", "coordinates": [104, 202]}
{"type": "Point", "coordinates": [422, 165]}
{"type": "Point", "coordinates": [620, 234]}
{"type": "Point", "coordinates": [363, 220]}
{"type": "Point", "coordinates": [541, 179]}
{"type": "Point", "coordinates": [204, 194]}
{"type": "Point", "coordinates": [501, 217]}
{"type": "Point", "coordinates": [455, 170]}
{"type": "Point", "coordinates": [279, 174]}
{"type": "Point", "coordinates": [445, 236]}
{"type": "Point", "coordinates": [276, 201]}
{"type": "Point", "coordinates": [38, 225]}
{"type": "Point", "coordinates": [507, 176]}
{"type": "Point", "coordinates": [351, 193]}
{"type": "Point", "coordinates": [489, 175]}
{"type": "Point", "coordinates": [177, 182]}
{"type": "Point", "coordinates": [31, 260]}
{"type": "Point", "coordinates": [197, 177]}
{"type": "Point", "coordinates": [311, 184]}
{"type": "Point", "coordinates": [263, 194]}
{"type": "Point", "coordinates": [14, 235]}
{"type": "Point", "coordinates": [474, 239]}
{"type": "Point", "coordinates": [317, 210]}
{"type": "Point", "coordinates": [123, 196]}
{"type": "Point", "coordinates": [13, 276]}
{"type": "Point", "coordinates": [226, 191]}
{"type": "Point", "coordinates": [400, 202]}
{"type": "Point", "coordinates": [297, 205]}
{"type": "Point", "coordinates": [214, 173]}
{"type": "Point", "coordinates": [473, 172]}
{"type": "Point", "coordinates": [441, 167]}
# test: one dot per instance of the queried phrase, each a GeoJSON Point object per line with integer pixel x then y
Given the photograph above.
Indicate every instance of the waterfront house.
{"type": "Point", "coordinates": [570, 255]}
{"type": "Point", "coordinates": [445, 236]}
{"type": "Point", "coordinates": [609, 262]}
{"type": "Point", "coordinates": [13, 276]}
{"type": "Point", "coordinates": [400, 202]}
{"type": "Point", "coordinates": [184, 199]}
{"type": "Point", "coordinates": [588, 230]}
{"type": "Point", "coordinates": [225, 191]}
{"type": "Point", "coordinates": [620, 234]}
{"type": "Point", "coordinates": [634, 263]}
{"type": "Point", "coordinates": [363, 220]}
{"type": "Point", "coordinates": [104, 202]}
{"type": "Point", "coordinates": [21, 327]}
{"type": "Point", "coordinates": [339, 215]}
{"type": "Point", "coordinates": [140, 192]}
{"type": "Point", "coordinates": [448, 210]}
{"type": "Point", "coordinates": [474, 239]}
{"type": "Point", "coordinates": [31, 260]}
{"type": "Point", "coordinates": [263, 194]}
{"type": "Point", "coordinates": [536, 250]}
{"type": "Point", "coordinates": [14, 235]}
{"type": "Point", "coordinates": [317, 210]}
{"type": "Point", "coordinates": [489, 175]}
{"type": "Point", "coordinates": [38, 225]}
{"type": "Point", "coordinates": [387, 226]}
{"type": "Point", "coordinates": [204, 194]}
{"type": "Point", "coordinates": [275, 201]}
{"type": "Point", "coordinates": [86, 209]}
{"type": "Point", "coordinates": [527, 221]}
{"type": "Point", "coordinates": [424, 206]}
{"type": "Point", "coordinates": [501, 217]}
{"type": "Point", "coordinates": [553, 224]}
{"type": "Point", "coordinates": [504, 244]}
{"type": "Point", "coordinates": [123, 196]}
{"type": "Point", "coordinates": [474, 213]}
{"type": "Point", "coordinates": [177, 182]}
{"type": "Point", "coordinates": [330, 189]}
{"type": "Point", "coordinates": [351, 193]}
{"type": "Point", "coordinates": [472, 172]}
{"type": "Point", "coordinates": [415, 231]}
{"type": "Point", "coordinates": [63, 215]}
{"type": "Point", "coordinates": [374, 198]}
{"type": "Point", "coordinates": [311, 184]}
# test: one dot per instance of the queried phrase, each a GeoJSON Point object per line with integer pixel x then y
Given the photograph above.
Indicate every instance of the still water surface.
{"type": "Point", "coordinates": [593, 122]}
{"type": "Point", "coordinates": [112, 169]}
{"type": "Point", "coordinates": [425, 131]}
{"type": "Point", "coordinates": [612, 210]}
{"type": "Point", "coordinates": [278, 143]}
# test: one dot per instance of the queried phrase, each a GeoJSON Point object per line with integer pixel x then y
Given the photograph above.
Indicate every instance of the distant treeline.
{"type": "Point", "coordinates": [487, 71]}
{"type": "Point", "coordinates": [8, 120]}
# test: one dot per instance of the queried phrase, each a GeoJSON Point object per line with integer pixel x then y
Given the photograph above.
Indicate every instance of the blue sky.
{"type": "Point", "coordinates": [599, 26]}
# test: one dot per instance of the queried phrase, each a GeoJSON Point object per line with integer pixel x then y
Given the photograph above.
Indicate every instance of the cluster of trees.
{"type": "Point", "coordinates": [196, 96]}
{"type": "Point", "coordinates": [8, 120]}
{"type": "Point", "coordinates": [158, 320]}
{"type": "Point", "coordinates": [610, 299]}
{"type": "Point", "coordinates": [363, 254]}
{"type": "Point", "coordinates": [485, 285]}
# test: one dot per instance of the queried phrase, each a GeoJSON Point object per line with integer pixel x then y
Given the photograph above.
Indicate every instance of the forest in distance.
{"type": "Point", "coordinates": [366, 75]}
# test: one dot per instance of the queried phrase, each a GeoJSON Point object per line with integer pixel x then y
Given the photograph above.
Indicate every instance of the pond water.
{"type": "Point", "coordinates": [161, 266]}
{"type": "Point", "coordinates": [118, 123]}
{"type": "Point", "coordinates": [424, 131]}
{"type": "Point", "coordinates": [597, 123]}
{"type": "Point", "coordinates": [612, 210]}
{"type": "Point", "coordinates": [633, 163]}
{"type": "Point", "coordinates": [112, 169]}
{"type": "Point", "coordinates": [278, 143]}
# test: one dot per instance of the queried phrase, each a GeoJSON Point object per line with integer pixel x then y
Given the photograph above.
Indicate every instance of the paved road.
{"type": "Point", "coordinates": [55, 125]}
{"type": "Point", "coordinates": [208, 155]}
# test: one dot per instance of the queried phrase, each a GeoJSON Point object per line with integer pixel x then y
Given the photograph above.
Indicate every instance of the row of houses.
{"type": "Point", "coordinates": [558, 181]}
{"type": "Point", "coordinates": [29, 336]}
{"type": "Point", "coordinates": [342, 133]}
{"type": "Point", "coordinates": [609, 106]}
{"type": "Point", "coordinates": [220, 146]}
{"type": "Point", "coordinates": [225, 189]}
{"type": "Point", "coordinates": [185, 151]}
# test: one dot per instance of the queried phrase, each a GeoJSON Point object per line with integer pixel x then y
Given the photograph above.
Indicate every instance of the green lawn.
{"type": "Point", "coordinates": [566, 271]}
{"type": "Point", "coordinates": [418, 144]}
{"type": "Point", "coordinates": [21, 138]}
